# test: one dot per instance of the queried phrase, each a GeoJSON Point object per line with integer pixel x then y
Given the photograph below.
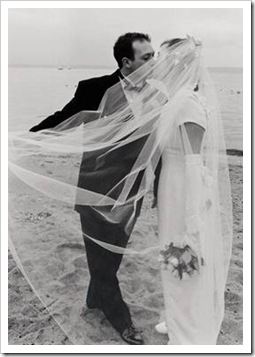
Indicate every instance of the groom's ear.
{"type": "Point", "coordinates": [126, 62]}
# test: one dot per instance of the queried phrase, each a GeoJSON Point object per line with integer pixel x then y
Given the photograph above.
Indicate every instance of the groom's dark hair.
{"type": "Point", "coordinates": [124, 45]}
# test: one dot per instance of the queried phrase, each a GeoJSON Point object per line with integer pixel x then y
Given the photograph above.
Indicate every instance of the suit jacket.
{"type": "Point", "coordinates": [88, 96]}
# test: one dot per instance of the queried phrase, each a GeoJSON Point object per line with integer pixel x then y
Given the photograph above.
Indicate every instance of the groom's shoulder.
{"type": "Point", "coordinates": [109, 79]}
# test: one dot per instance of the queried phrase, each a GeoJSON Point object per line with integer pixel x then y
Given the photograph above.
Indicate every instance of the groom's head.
{"type": "Point", "coordinates": [132, 50]}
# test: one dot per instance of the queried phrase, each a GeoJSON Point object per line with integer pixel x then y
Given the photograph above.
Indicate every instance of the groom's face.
{"type": "Point", "coordinates": [143, 52]}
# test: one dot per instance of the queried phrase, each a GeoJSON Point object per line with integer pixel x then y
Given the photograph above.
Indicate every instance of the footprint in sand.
{"type": "Point", "coordinates": [69, 251]}
{"type": "Point", "coordinates": [80, 262]}
{"type": "Point", "coordinates": [130, 267]}
{"type": "Point", "coordinates": [154, 272]}
{"type": "Point", "coordinates": [130, 286]}
{"type": "Point", "coordinates": [154, 301]}
{"type": "Point", "coordinates": [150, 286]}
{"type": "Point", "coordinates": [235, 278]}
{"type": "Point", "coordinates": [239, 246]}
{"type": "Point", "coordinates": [73, 255]}
{"type": "Point", "coordinates": [239, 278]}
{"type": "Point", "coordinates": [142, 313]}
{"type": "Point", "coordinates": [30, 311]}
{"type": "Point", "coordinates": [232, 298]}
{"type": "Point", "coordinates": [238, 263]}
{"type": "Point", "coordinates": [136, 234]}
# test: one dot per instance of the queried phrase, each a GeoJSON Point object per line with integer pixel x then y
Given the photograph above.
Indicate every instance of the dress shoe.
{"type": "Point", "coordinates": [132, 336]}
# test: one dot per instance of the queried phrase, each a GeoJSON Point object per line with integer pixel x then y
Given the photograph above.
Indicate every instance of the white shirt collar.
{"type": "Point", "coordinates": [129, 84]}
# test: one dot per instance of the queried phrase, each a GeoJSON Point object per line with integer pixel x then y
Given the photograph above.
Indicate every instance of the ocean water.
{"type": "Point", "coordinates": [34, 93]}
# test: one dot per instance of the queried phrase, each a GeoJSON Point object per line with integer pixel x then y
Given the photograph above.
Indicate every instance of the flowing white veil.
{"type": "Point", "coordinates": [112, 153]}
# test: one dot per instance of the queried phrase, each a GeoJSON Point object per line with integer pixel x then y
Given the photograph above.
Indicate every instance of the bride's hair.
{"type": "Point", "coordinates": [169, 43]}
{"type": "Point", "coordinates": [124, 45]}
{"type": "Point", "coordinates": [172, 42]}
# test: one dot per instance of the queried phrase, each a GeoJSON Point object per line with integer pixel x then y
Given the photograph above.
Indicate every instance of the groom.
{"type": "Point", "coordinates": [131, 51]}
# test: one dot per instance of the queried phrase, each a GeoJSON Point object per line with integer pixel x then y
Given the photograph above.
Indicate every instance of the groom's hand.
{"type": "Point", "coordinates": [34, 129]}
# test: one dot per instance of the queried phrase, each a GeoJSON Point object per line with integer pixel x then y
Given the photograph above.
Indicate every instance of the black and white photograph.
{"type": "Point", "coordinates": [125, 176]}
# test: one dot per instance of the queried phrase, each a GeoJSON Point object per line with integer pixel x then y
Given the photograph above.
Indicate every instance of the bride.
{"type": "Point", "coordinates": [194, 252]}
{"type": "Point", "coordinates": [175, 120]}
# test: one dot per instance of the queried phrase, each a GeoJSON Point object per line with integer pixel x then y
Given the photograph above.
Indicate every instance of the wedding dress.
{"type": "Point", "coordinates": [193, 309]}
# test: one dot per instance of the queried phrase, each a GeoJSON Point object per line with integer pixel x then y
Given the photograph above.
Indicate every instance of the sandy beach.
{"type": "Point", "coordinates": [51, 253]}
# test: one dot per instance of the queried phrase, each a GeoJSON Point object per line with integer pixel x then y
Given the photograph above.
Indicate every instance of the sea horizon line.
{"type": "Point", "coordinates": [79, 66]}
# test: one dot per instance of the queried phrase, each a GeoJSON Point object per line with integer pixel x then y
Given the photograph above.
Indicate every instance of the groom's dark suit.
{"type": "Point", "coordinates": [103, 290]}
{"type": "Point", "coordinates": [88, 96]}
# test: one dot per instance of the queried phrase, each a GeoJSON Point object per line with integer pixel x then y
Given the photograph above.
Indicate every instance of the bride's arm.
{"type": "Point", "coordinates": [192, 137]}
{"type": "Point", "coordinates": [187, 254]}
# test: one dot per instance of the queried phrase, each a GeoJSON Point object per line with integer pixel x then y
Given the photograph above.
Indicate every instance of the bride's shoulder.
{"type": "Point", "coordinates": [196, 100]}
{"type": "Point", "coordinates": [193, 109]}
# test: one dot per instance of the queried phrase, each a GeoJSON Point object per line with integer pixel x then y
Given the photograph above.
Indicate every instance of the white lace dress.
{"type": "Point", "coordinates": [193, 307]}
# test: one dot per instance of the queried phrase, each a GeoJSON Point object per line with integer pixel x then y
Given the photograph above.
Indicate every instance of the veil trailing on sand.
{"type": "Point", "coordinates": [112, 154]}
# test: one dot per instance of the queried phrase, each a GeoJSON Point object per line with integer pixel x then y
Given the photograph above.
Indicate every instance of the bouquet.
{"type": "Point", "coordinates": [183, 262]}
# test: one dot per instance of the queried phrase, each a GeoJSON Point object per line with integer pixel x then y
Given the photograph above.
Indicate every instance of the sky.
{"type": "Point", "coordinates": [83, 37]}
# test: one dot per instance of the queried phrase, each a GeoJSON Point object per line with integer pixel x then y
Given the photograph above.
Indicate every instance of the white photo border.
{"type": "Point", "coordinates": [52, 349]}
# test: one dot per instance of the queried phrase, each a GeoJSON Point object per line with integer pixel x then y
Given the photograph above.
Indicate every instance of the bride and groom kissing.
{"type": "Point", "coordinates": [193, 269]}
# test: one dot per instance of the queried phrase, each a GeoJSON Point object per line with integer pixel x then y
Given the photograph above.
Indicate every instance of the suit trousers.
{"type": "Point", "coordinates": [104, 291]}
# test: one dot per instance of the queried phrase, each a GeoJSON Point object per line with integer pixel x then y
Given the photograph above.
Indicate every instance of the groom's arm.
{"type": "Point", "coordinates": [79, 102]}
